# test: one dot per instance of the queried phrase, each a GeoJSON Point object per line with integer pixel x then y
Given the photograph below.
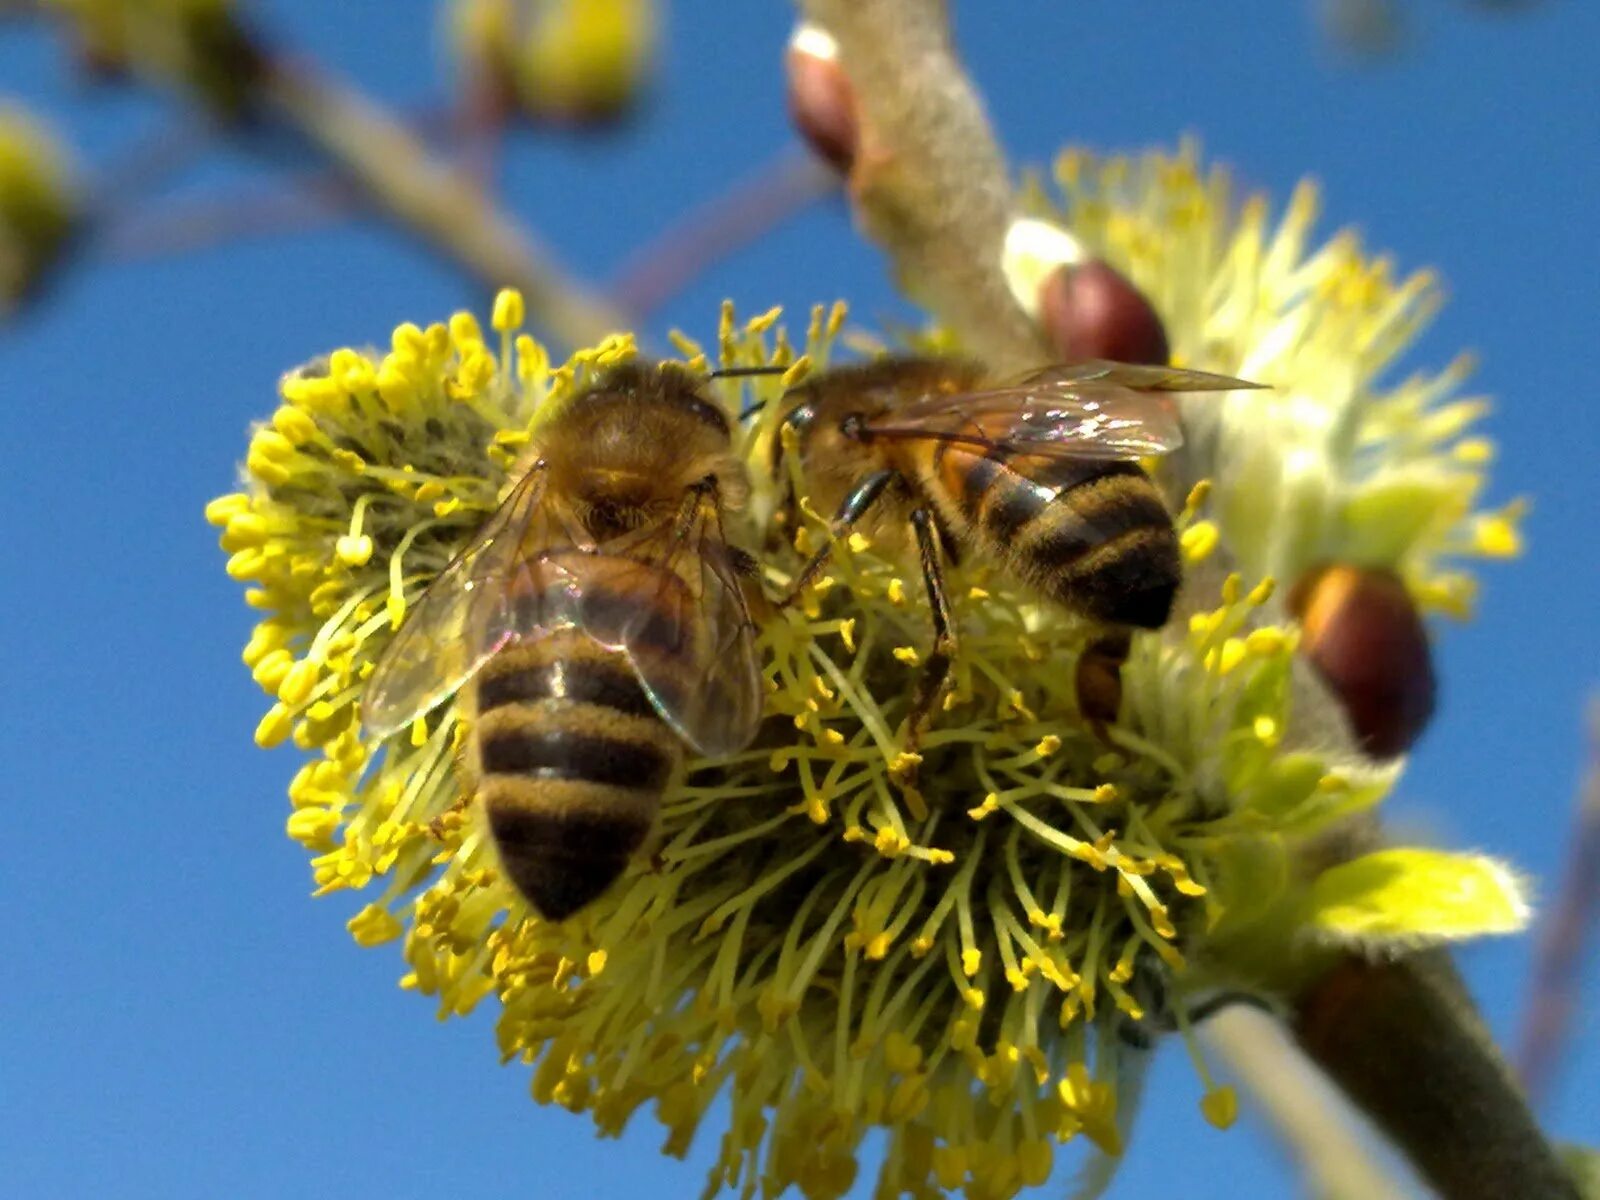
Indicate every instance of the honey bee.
{"type": "Point", "coordinates": [597, 623]}
{"type": "Point", "coordinates": [1037, 476]}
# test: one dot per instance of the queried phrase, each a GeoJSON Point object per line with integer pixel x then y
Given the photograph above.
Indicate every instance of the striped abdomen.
{"type": "Point", "coordinates": [1094, 536]}
{"type": "Point", "coordinates": [571, 760]}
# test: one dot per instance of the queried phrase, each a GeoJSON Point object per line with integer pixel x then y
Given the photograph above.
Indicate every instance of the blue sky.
{"type": "Point", "coordinates": [178, 1019]}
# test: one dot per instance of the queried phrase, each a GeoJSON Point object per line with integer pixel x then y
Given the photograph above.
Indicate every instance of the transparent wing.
{"type": "Point", "coordinates": [1091, 410]}
{"type": "Point", "coordinates": [470, 611]}
{"type": "Point", "coordinates": [1141, 376]}
{"type": "Point", "coordinates": [672, 599]}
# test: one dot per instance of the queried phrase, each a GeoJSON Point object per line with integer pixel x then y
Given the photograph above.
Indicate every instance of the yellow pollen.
{"type": "Point", "coordinates": [274, 727]}
{"type": "Point", "coordinates": [1220, 1106]}
{"type": "Point", "coordinates": [1264, 643]}
{"type": "Point", "coordinates": [298, 682]}
{"type": "Point", "coordinates": [1233, 653]}
{"type": "Point", "coordinates": [1197, 497]}
{"type": "Point", "coordinates": [353, 551]}
{"type": "Point", "coordinates": [1495, 536]}
{"type": "Point", "coordinates": [509, 311]}
{"type": "Point", "coordinates": [224, 508]}
{"type": "Point", "coordinates": [847, 634]}
{"type": "Point", "coordinates": [1199, 540]}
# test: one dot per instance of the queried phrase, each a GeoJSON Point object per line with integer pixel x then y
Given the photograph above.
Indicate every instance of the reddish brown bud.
{"type": "Point", "coordinates": [1092, 311]}
{"type": "Point", "coordinates": [1364, 636]}
{"type": "Point", "coordinates": [821, 102]}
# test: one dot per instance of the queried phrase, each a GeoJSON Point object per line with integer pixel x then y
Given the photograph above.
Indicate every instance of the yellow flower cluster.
{"type": "Point", "coordinates": [192, 43]}
{"type": "Point", "coordinates": [1331, 465]}
{"type": "Point", "coordinates": [39, 205]}
{"type": "Point", "coordinates": [974, 963]}
{"type": "Point", "coordinates": [573, 60]}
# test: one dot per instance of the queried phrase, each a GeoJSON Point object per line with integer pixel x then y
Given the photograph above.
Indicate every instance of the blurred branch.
{"type": "Point", "coordinates": [394, 172]}
{"type": "Point", "coordinates": [252, 90]}
{"type": "Point", "coordinates": [181, 227]}
{"type": "Point", "coordinates": [928, 180]}
{"type": "Point", "coordinates": [1568, 927]}
{"type": "Point", "coordinates": [711, 232]}
{"type": "Point", "coordinates": [1307, 1115]}
{"type": "Point", "coordinates": [1404, 1042]}
{"type": "Point", "coordinates": [152, 158]}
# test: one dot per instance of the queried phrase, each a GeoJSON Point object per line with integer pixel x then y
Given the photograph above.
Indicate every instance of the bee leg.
{"type": "Point", "coordinates": [451, 819]}
{"type": "Point", "coordinates": [440, 828]}
{"type": "Point", "coordinates": [1099, 680]}
{"type": "Point", "coordinates": [930, 684]}
{"type": "Point", "coordinates": [861, 498]}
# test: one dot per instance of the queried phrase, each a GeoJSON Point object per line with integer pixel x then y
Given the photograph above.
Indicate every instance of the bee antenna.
{"type": "Point", "coordinates": [744, 372]}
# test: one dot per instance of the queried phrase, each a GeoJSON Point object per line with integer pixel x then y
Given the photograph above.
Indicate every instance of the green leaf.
{"type": "Point", "coordinates": [1411, 897]}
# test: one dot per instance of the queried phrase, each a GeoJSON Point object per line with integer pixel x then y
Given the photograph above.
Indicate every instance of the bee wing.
{"type": "Point", "coordinates": [675, 605]}
{"type": "Point", "coordinates": [1141, 376]}
{"type": "Point", "coordinates": [1090, 410]}
{"type": "Point", "coordinates": [475, 606]}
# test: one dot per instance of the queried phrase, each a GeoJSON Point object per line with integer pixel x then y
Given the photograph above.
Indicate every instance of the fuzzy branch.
{"type": "Point", "coordinates": [1404, 1042]}
{"type": "Point", "coordinates": [249, 87]}
{"type": "Point", "coordinates": [929, 183]}
{"type": "Point", "coordinates": [395, 173]}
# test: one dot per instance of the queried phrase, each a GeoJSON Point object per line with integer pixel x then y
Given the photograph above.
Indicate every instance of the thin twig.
{"type": "Point", "coordinates": [182, 227]}
{"type": "Point", "coordinates": [1310, 1118]}
{"type": "Point", "coordinates": [928, 181]}
{"type": "Point", "coordinates": [752, 207]}
{"type": "Point", "coordinates": [152, 159]}
{"type": "Point", "coordinates": [1568, 929]}
{"type": "Point", "coordinates": [395, 173]}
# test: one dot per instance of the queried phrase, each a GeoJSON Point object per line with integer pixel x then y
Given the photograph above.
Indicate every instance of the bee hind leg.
{"type": "Point", "coordinates": [450, 821]}
{"type": "Point", "coordinates": [1099, 680]}
{"type": "Point", "coordinates": [936, 670]}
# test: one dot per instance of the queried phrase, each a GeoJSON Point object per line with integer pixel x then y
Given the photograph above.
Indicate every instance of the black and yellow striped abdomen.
{"type": "Point", "coordinates": [1094, 536]}
{"type": "Point", "coordinates": [571, 761]}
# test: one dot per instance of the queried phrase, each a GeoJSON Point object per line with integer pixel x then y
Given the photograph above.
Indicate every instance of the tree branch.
{"type": "Point", "coordinates": [928, 181]}
{"type": "Point", "coordinates": [1404, 1042]}
{"type": "Point", "coordinates": [1566, 934]}
{"type": "Point", "coordinates": [395, 173]}
{"type": "Point", "coordinates": [716, 229]}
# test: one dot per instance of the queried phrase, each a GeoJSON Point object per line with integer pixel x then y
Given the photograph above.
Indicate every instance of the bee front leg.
{"type": "Point", "coordinates": [862, 497]}
{"type": "Point", "coordinates": [936, 670]}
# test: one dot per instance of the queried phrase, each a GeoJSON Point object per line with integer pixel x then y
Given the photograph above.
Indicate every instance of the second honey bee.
{"type": "Point", "coordinates": [1037, 476]}
{"type": "Point", "coordinates": [597, 623]}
